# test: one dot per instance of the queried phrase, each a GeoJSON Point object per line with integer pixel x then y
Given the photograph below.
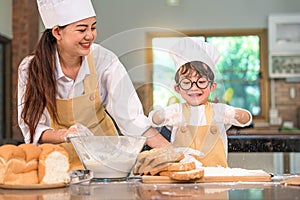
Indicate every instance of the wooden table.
{"type": "Point", "coordinates": [135, 189]}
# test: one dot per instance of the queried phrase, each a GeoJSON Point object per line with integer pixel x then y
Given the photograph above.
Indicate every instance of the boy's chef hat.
{"type": "Point", "coordinates": [190, 49]}
{"type": "Point", "coordinates": [63, 12]}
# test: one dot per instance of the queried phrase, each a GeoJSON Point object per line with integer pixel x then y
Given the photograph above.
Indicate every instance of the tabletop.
{"type": "Point", "coordinates": [133, 188]}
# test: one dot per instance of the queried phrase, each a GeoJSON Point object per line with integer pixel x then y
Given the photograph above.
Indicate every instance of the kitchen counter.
{"type": "Point", "coordinates": [134, 189]}
{"type": "Point", "coordinates": [255, 140]}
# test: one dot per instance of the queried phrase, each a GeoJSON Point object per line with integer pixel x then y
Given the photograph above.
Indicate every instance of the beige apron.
{"type": "Point", "coordinates": [85, 109]}
{"type": "Point", "coordinates": [206, 139]}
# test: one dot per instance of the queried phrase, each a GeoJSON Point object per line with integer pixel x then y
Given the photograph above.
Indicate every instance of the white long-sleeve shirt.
{"type": "Point", "coordinates": [115, 88]}
{"type": "Point", "coordinates": [198, 118]}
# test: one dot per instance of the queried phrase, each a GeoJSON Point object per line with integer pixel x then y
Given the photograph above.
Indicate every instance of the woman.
{"type": "Point", "coordinates": [69, 80]}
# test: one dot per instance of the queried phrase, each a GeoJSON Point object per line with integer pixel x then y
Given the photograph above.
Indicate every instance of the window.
{"type": "Point", "coordinates": [241, 72]}
{"type": "Point", "coordinates": [1, 91]}
{"type": "Point", "coordinates": [5, 87]}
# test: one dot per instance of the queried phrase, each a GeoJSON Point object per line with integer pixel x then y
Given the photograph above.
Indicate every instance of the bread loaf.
{"type": "Point", "coordinates": [173, 167]}
{"type": "Point", "coordinates": [30, 164]}
{"type": "Point", "coordinates": [30, 177]}
{"type": "Point", "coordinates": [153, 160]}
{"type": "Point", "coordinates": [10, 151]}
{"type": "Point", "coordinates": [53, 164]}
{"type": "Point", "coordinates": [186, 175]}
{"type": "Point", "coordinates": [32, 154]}
{"type": "Point", "coordinates": [167, 162]}
{"type": "Point", "coordinates": [12, 160]}
{"type": "Point", "coordinates": [74, 160]}
{"type": "Point", "coordinates": [159, 168]}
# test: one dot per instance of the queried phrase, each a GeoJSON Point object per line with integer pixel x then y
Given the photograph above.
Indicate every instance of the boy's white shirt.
{"type": "Point", "coordinates": [198, 118]}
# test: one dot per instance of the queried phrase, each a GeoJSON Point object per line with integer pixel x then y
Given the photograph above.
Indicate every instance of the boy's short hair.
{"type": "Point", "coordinates": [202, 69]}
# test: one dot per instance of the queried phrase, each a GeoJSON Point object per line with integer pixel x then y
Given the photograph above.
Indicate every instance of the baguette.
{"type": "Point", "coordinates": [164, 173]}
{"type": "Point", "coordinates": [141, 159]}
{"type": "Point", "coordinates": [167, 158]}
{"type": "Point", "coordinates": [148, 161]}
{"type": "Point", "coordinates": [150, 156]}
{"type": "Point", "coordinates": [162, 167]}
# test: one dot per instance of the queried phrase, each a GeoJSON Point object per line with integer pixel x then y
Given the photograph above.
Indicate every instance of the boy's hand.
{"type": "Point", "coordinates": [169, 117]}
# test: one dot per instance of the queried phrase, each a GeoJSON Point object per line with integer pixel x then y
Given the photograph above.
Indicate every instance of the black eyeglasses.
{"type": "Point", "coordinates": [187, 84]}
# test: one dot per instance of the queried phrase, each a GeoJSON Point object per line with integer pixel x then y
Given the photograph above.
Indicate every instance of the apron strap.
{"type": "Point", "coordinates": [90, 82]}
{"type": "Point", "coordinates": [186, 112]}
{"type": "Point", "coordinates": [212, 134]}
{"type": "Point", "coordinates": [209, 112]}
{"type": "Point", "coordinates": [206, 139]}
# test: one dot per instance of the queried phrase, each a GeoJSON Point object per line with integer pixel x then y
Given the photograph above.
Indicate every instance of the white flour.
{"type": "Point", "coordinates": [117, 169]}
{"type": "Point", "coordinates": [220, 171]}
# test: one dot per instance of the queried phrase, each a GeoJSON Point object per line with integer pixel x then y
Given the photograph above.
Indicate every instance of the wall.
{"type": "Point", "coordinates": [288, 107]}
{"type": "Point", "coordinates": [25, 33]}
{"type": "Point", "coordinates": [118, 17]}
{"type": "Point", "coordinates": [276, 163]}
{"type": "Point", "coordinates": [122, 26]}
{"type": "Point", "coordinates": [120, 21]}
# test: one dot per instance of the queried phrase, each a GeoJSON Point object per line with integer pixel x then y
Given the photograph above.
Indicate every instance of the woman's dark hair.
{"type": "Point", "coordinates": [41, 86]}
{"type": "Point", "coordinates": [201, 68]}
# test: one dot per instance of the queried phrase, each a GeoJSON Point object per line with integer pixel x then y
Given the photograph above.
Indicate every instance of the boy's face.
{"type": "Point", "coordinates": [198, 93]}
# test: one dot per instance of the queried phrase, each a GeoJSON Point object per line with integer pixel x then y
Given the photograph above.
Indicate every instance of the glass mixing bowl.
{"type": "Point", "coordinates": [108, 157]}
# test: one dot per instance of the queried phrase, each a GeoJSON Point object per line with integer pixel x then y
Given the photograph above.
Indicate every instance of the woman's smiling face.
{"type": "Point", "coordinates": [77, 38]}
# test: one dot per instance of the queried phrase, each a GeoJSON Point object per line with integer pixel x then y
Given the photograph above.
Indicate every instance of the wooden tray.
{"type": "Point", "coordinates": [292, 181]}
{"type": "Point", "coordinates": [242, 176]}
{"type": "Point", "coordinates": [166, 179]}
{"type": "Point", "coordinates": [32, 186]}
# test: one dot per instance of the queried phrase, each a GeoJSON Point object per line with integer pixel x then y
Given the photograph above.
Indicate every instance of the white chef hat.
{"type": "Point", "coordinates": [190, 49]}
{"type": "Point", "coordinates": [63, 12]}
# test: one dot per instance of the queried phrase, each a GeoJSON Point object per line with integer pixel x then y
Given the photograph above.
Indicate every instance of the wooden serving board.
{"type": "Point", "coordinates": [32, 186]}
{"type": "Point", "coordinates": [250, 176]}
{"type": "Point", "coordinates": [292, 181]}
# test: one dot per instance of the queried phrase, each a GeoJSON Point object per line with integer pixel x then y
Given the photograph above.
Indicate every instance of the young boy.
{"type": "Point", "coordinates": [197, 123]}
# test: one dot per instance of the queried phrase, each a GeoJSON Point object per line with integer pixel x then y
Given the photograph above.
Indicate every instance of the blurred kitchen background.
{"type": "Point", "coordinates": [259, 70]}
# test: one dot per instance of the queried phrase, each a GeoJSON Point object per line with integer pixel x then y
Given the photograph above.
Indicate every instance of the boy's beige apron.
{"type": "Point", "coordinates": [85, 109]}
{"type": "Point", "coordinates": [206, 139]}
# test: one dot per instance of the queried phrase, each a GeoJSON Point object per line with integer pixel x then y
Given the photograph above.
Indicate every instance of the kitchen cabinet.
{"type": "Point", "coordinates": [284, 45]}
{"type": "Point", "coordinates": [278, 151]}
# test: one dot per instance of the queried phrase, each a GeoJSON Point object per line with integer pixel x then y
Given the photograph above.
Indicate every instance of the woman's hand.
{"type": "Point", "coordinates": [64, 135]}
{"type": "Point", "coordinates": [75, 131]}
